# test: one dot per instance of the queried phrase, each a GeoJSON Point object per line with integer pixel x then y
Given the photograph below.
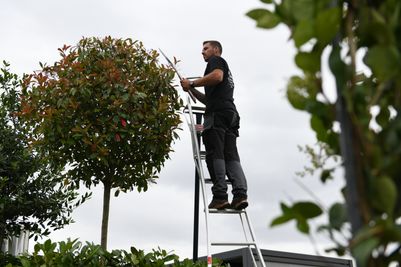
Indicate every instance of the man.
{"type": "Point", "coordinates": [220, 128]}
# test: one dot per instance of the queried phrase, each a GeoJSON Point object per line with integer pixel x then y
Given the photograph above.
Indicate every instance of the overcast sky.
{"type": "Point", "coordinates": [261, 62]}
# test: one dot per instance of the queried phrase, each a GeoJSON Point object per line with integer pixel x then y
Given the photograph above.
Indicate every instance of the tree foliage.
{"type": "Point", "coordinates": [107, 111]}
{"type": "Point", "coordinates": [33, 197]}
{"type": "Point", "coordinates": [367, 111]}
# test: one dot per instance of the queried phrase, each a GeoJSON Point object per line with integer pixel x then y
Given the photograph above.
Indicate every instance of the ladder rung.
{"type": "Point", "coordinates": [202, 157]}
{"type": "Point", "coordinates": [209, 181]}
{"type": "Point", "coordinates": [234, 244]}
{"type": "Point", "coordinates": [226, 211]}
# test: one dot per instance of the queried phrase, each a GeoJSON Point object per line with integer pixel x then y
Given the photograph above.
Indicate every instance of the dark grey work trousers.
{"type": "Point", "coordinates": [220, 139]}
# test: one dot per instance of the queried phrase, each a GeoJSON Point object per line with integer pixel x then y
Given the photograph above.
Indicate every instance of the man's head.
{"type": "Point", "coordinates": [211, 48]}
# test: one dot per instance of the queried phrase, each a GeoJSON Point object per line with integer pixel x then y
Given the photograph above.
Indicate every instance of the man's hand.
{"type": "Point", "coordinates": [186, 84]}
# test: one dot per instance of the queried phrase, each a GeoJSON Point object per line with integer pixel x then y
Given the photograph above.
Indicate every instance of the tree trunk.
{"type": "Point", "coordinates": [105, 216]}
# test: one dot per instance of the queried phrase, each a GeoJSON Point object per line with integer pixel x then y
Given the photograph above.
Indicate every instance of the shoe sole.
{"type": "Point", "coordinates": [221, 207]}
{"type": "Point", "coordinates": [241, 205]}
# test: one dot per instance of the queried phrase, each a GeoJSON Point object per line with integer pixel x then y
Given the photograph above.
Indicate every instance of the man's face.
{"type": "Point", "coordinates": [208, 51]}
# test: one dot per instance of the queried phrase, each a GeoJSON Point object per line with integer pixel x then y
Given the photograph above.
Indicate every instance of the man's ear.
{"type": "Point", "coordinates": [216, 50]}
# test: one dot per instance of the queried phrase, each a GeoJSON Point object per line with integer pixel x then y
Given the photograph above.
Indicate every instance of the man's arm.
{"type": "Point", "coordinates": [200, 96]}
{"type": "Point", "coordinates": [213, 78]}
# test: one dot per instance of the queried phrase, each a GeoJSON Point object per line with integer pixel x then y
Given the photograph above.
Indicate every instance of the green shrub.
{"type": "Point", "coordinates": [75, 254]}
{"type": "Point", "coordinates": [8, 260]}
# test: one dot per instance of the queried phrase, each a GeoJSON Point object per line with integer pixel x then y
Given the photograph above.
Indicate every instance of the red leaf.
{"type": "Point", "coordinates": [123, 122]}
{"type": "Point", "coordinates": [117, 137]}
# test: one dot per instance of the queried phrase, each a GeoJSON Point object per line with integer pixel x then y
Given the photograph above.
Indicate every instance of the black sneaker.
{"type": "Point", "coordinates": [239, 203]}
{"type": "Point", "coordinates": [219, 204]}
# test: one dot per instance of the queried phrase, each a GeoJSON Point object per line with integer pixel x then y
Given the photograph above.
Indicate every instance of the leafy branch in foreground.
{"type": "Point", "coordinates": [362, 126]}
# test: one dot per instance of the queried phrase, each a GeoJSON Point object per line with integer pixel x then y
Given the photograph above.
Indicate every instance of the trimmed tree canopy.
{"type": "Point", "coordinates": [106, 110]}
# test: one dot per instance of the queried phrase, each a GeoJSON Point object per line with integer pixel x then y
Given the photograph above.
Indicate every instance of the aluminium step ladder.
{"type": "Point", "coordinates": [199, 156]}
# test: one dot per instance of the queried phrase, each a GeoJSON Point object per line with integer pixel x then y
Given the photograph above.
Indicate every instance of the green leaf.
{"type": "Point", "coordinates": [309, 62]}
{"type": "Point", "coordinates": [302, 9]}
{"type": "Point", "coordinates": [337, 215]}
{"type": "Point", "coordinates": [281, 219]}
{"type": "Point", "coordinates": [303, 32]}
{"type": "Point", "coordinates": [326, 175]}
{"type": "Point", "coordinates": [328, 25]}
{"type": "Point", "coordinates": [383, 117]}
{"type": "Point", "coordinates": [25, 262]}
{"type": "Point", "coordinates": [393, 232]}
{"type": "Point", "coordinates": [363, 250]}
{"type": "Point", "coordinates": [340, 251]}
{"type": "Point", "coordinates": [303, 226]}
{"type": "Point", "coordinates": [264, 18]}
{"type": "Point", "coordinates": [297, 92]}
{"type": "Point", "coordinates": [117, 193]}
{"type": "Point", "coordinates": [307, 209]}
{"type": "Point", "coordinates": [383, 60]}
{"type": "Point", "coordinates": [267, 1]}
{"type": "Point", "coordinates": [319, 128]}
{"type": "Point", "coordinates": [300, 212]}
{"type": "Point", "coordinates": [384, 194]}
{"type": "Point", "coordinates": [285, 217]}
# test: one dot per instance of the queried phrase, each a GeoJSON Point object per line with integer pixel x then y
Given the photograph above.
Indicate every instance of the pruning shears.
{"type": "Point", "coordinates": [177, 72]}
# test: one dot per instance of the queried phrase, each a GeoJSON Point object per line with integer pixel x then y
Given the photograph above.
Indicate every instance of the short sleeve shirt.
{"type": "Point", "coordinates": [219, 97]}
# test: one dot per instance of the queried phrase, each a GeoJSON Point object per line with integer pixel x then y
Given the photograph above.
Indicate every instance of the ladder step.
{"type": "Point", "coordinates": [226, 211]}
{"type": "Point", "coordinates": [234, 244]}
{"type": "Point", "coordinates": [201, 157]}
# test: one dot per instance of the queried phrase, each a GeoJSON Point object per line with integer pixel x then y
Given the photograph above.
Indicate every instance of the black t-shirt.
{"type": "Point", "coordinates": [219, 97]}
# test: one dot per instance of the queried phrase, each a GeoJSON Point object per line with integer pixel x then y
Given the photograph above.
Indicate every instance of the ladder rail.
{"type": "Point", "coordinates": [246, 237]}
{"type": "Point", "coordinates": [252, 233]}
{"type": "Point", "coordinates": [198, 163]}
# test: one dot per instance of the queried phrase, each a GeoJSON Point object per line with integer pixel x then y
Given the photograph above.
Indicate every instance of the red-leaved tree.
{"type": "Point", "coordinates": [107, 112]}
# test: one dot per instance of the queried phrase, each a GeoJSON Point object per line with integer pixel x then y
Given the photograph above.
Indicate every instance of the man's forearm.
{"type": "Point", "coordinates": [211, 79]}
{"type": "Point", "coordinates": [200, 96]}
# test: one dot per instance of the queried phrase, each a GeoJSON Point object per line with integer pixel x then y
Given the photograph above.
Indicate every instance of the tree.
{"type": "Point", "coordinates": [368, 93]}
{"type": "Point", "coordinates": [107, 112]}
{"type": "Point", "coordinates": [33, 196]}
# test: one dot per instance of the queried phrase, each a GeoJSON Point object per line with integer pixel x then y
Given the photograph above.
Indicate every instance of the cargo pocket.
{"type": "Point", "coordinates": [208, 121]}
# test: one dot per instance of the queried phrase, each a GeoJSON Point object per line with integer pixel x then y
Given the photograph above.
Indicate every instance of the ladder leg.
{"type": "Point", "coordinates": [260, 256]}
{"type": "Point", "coordinates": [246, 239]}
